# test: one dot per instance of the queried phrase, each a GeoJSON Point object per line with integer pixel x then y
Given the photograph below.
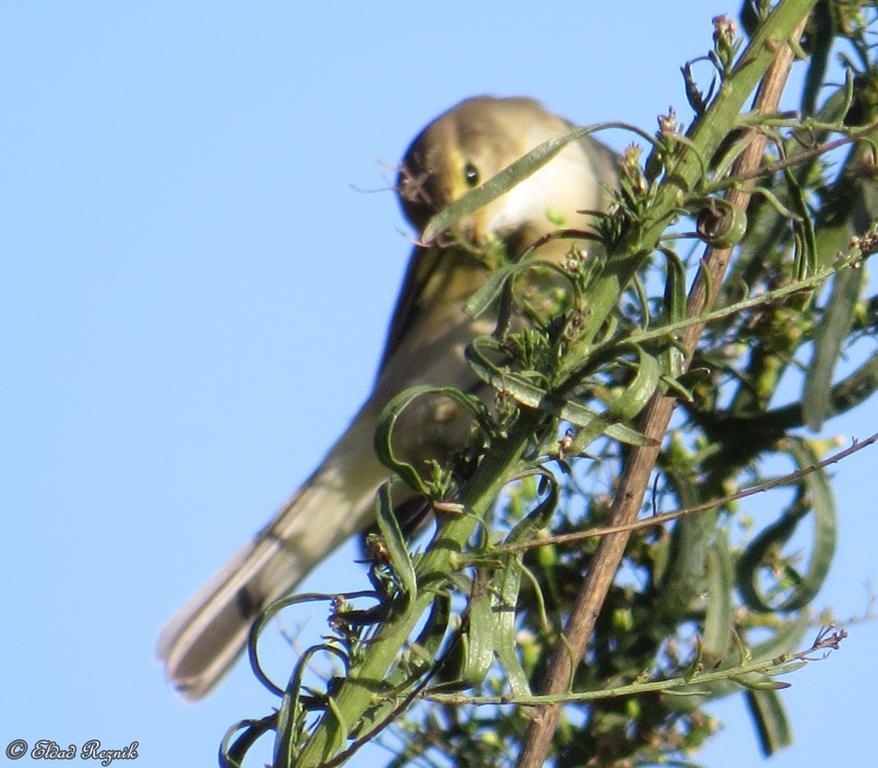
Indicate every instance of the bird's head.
{"type": "Point", "coordinates": [472, 142]}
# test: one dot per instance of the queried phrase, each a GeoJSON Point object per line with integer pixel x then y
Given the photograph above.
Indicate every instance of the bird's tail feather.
{"type": "Point", "coordinates": [205, 637]}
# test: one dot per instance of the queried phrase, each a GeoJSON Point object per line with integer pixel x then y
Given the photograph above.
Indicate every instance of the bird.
{"type": "Point", "coordinates": [458, 151]}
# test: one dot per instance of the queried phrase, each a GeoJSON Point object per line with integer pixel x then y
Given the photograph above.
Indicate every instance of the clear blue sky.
{"type": "Point", "coordinates": [193, 295]}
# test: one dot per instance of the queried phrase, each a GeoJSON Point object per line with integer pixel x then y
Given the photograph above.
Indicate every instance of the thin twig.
{"type": "Point", "coordinates": [799, 159]}
{"type": "Point", "coordinates": [828, 639]}
{"type": "Point", "coordinates": [667, 517]}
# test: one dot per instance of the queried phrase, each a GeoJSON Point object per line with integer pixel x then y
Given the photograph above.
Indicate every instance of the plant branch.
{"type": "Point", "coordinates": [785, 663]}
{"type": "Point", "coordinates": [635, 480]}
{"type": "Point", "coordinates": [799, 159]}
{"type": "Point", "coordinates": [667, 517]}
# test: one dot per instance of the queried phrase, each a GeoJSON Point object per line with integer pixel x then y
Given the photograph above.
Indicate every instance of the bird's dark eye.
{"type": "Point", "coordinates": [471, 174]}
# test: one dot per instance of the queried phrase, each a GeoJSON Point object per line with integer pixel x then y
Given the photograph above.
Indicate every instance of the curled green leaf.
{"type": "Point", "coordinates": [815, 495]}
{"type": "Point", "coordinates": [389, 417]}
{"type": "Point", "coordinates": [721, 224]}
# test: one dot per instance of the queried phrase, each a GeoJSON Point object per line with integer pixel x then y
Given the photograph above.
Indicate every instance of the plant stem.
{"type": "Point", "coordinates": [785, 23]}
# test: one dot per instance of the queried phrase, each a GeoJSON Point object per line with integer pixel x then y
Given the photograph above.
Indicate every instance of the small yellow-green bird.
{"type": "Point", "coordinates": [459, 150]}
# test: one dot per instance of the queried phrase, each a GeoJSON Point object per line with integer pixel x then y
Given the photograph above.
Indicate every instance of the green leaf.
{"type": "Point", "coordinates": [673, 360]}
{"type": "Point", "coordinates": [807, 251]}
{"type": "Point", "coordinates": [387, 422]}
{"type": "Point", "coordinates": [822, 34]}
{"type": "Point", "coordinates": [770, 721]}
{"type": "Point", "coordinates": [759, 682]}
{"type": "Point", "coordinates": [478, 639]}
{"type": "Point", "coordinates": [815, 495]}
{"type": "Point", "coordinates": [394, 540]}
{"type": "Point", "coordinates": [341, 731]}
{"type": "Point", "coordinates": [637, 394]}
{"type": "Point", "coordinates": [493, 285]}
{"type": "Point", "coordinates": [506, 585]}
{"type": "Point", "coordinates": [838, 318]}
{"type": "Point", "coordinates": [719, 616]}
{"type": "Point", "coordinates": [490, 289]}
{"type": "Point", "coordinates": [232, 752]}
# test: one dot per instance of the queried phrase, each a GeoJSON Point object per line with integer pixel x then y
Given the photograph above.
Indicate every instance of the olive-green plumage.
{"type": "Point", "coordinates": [460, 149]}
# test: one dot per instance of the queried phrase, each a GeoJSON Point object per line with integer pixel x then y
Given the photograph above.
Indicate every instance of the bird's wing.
{"type": "Point", "coordinates": [422, 265]}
